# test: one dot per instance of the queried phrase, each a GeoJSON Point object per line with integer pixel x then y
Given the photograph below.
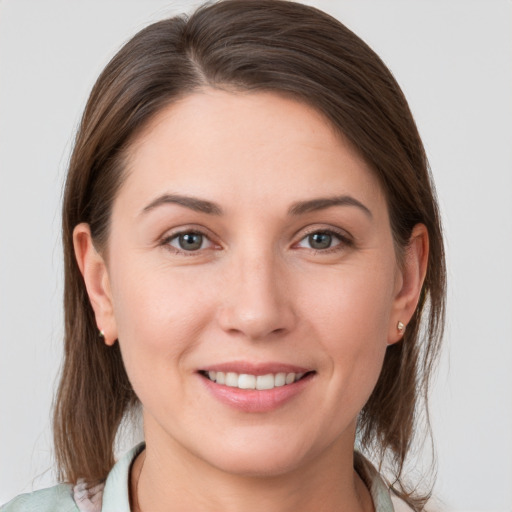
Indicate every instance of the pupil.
{"type": "Point", "coordinates": [320, 240]}
{"type": "Point", "coordinates": [191, 241]}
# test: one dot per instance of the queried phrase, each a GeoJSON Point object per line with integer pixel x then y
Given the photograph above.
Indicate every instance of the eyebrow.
{"type": "Point", "coordinates": [322, 203]}
{"type": "Point", "coordinates": [298, 208]}
{"type": "Point", "coordinates": [198, 205]}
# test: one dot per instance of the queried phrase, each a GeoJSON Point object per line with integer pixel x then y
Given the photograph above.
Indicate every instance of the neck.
{"type": "Point", "coordinates": [163, 479]}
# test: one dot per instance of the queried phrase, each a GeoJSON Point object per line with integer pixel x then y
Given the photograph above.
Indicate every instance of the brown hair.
{"type": "Point", "coordinates": [246, 45]}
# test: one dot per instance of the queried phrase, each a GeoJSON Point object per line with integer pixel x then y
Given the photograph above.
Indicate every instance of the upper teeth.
{"type": "Point", "coordinates": [247, 381]}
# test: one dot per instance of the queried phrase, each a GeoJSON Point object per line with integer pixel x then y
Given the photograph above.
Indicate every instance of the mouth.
{"type": "Point", "coordinates": [256, 387]}
{"type": "Point", "coordinates": [248, 381]}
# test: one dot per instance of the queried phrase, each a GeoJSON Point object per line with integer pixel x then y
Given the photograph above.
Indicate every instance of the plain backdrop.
{"type": "Point", "coordinates": [453, 59]}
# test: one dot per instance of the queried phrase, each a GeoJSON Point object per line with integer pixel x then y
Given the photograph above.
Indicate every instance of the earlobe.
{"type": "Point", "coordinates": [410, 282]}
{"type": "Point", "coordinates": [94, 271]}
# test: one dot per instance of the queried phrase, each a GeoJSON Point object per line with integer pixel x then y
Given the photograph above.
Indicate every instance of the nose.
{"type": "Point", "coordinates": [257, 298]}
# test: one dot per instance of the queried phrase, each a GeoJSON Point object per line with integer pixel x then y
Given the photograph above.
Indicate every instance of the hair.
{"type": "Point", "coordinates": [245, 45]}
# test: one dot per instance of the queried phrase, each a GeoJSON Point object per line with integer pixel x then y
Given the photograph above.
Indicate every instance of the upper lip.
{"type": "Point", "coordinates": [255, 368]}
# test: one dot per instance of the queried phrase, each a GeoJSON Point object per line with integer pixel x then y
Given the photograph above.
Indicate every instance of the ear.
{"type": "Point", "coordinates": [409, 282]}
{"type": "Point", "coordinates": [95, 274]}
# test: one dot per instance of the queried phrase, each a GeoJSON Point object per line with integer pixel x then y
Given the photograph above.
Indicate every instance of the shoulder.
{"type": "Point", "coordinates": [109, 496]}
{"type": "Point", "coordinates": [54, 499]}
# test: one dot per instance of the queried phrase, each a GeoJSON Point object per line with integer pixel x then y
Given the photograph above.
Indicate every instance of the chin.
{"type": "Point", "coordinates": [258, 466]}
{"type": "Point", "coordinates": [258, 459]}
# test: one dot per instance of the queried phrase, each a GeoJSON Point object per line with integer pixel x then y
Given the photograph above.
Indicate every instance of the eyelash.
{"type": "Point", "coordinates": [344, 240]}
{"type": "Point", "coordinates": [166, 242]}
{"type": "Point", "coordinates": [342, 237]}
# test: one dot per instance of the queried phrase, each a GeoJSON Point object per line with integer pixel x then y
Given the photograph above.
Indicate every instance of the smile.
{"type": "Point", "coordinates": [256, 388]}
{"type": "Point", "coordinates": [248, 381]}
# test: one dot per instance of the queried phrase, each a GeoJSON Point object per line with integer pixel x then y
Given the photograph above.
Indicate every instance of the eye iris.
{"type": "Point", "coordinates": [320, 240]}
{"type": "Point", "coordinates": [190, 241]}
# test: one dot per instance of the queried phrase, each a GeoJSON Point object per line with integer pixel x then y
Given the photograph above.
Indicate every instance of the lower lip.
{"type": "Point", "coordinates": [250, 400]}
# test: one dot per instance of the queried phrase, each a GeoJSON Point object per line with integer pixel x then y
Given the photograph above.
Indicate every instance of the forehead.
{"type": "Point", "coordinates": [262, 146]}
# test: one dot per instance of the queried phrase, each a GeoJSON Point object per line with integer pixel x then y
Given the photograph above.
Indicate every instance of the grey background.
{"type": "Point", "coordinates": [453, 60]}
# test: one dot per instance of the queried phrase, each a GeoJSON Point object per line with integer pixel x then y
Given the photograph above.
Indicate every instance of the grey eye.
{"type": "Point", "coordinates": [320, 240]}
{"type": "Point", "coordinates": [188, 241]}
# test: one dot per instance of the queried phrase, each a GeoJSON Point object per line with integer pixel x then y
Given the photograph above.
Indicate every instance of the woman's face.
{"type": "Point", "coordinates": [250, 246]}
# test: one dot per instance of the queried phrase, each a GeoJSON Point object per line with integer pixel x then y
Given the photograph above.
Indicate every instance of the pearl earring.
{"type": "Point", "coordinates": [400, 327]}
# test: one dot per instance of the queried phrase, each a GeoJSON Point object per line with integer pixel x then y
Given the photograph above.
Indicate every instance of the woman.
{"type": "Point", "coordinates": [253, 253]}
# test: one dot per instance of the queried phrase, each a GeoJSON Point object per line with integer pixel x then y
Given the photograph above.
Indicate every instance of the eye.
{"type": "Point", "coordinates": [189, 241]}
{"type": "Point", "coordinates": [321, 240]}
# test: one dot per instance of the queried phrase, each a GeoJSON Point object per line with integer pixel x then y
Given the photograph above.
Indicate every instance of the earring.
{"type": "Point", "coordinates": [400, 327]}
{"type": "Point", "coordinates": [101, 334]}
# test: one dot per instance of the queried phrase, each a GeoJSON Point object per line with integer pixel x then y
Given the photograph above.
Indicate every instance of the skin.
{"type": "Point", "coordinates": [255, 291]}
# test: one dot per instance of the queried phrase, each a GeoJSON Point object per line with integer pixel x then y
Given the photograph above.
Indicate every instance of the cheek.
{"type": "Point", "coordinates": [349, 314]}
{"type": "Point", "coordinates": [159, 314]}
{"type": "Point", "coordinates": [352, 302]}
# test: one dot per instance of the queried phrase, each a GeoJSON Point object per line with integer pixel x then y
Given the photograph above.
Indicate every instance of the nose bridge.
{"type": "Point", "coordinates": [257, 303]}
